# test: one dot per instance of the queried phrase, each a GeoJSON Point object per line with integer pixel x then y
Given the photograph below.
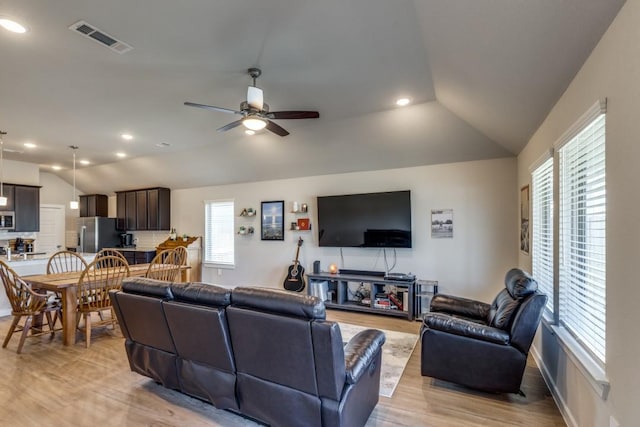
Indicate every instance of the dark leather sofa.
{"type": "Point", "coordinates": [479, 345]}
{"type": "Point", "coordinates": [264, 353]}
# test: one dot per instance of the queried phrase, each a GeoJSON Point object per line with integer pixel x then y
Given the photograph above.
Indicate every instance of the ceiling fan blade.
{"type": "Point", "coordinates": [255, 97]}
{"type": "Point", "coordinates": [230, 126]}
{"type": "Point", "coordinates": [211, 107]}
{"type": "Point", "coordinates": [279, 115]}
{"type": "Point", "coordinates": [277, 129]}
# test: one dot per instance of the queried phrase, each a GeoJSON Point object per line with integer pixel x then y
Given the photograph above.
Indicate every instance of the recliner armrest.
{"type": "Point", "coordinates": [360, 352]}
{"type": "Point", "coordinates": [460, 306]}
{"type": "Point", "coordinates": [465, 328]}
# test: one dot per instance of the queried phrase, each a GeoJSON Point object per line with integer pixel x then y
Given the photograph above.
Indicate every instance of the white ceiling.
{"type": "Point", "coordinates": [482, 74]}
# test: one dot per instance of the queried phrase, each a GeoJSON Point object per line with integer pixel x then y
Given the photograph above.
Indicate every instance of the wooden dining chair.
{"type": "Point", "coordinates": [111, 252]}
{"type": "Point", "coordinates": [181, 258]}
{"type": "Point", "coordinates": [25, 303]}
{"type": "Point", "coordinates": [100, 276]}
{"type": "Point", "coordinates": [164, 266]}
{"type": "Point", "coordinates": [65, 261]}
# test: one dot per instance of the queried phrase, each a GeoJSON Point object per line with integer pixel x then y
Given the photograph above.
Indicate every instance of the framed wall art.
{"type": "Point", "coordinates": [272, 220]}
{"type": "Point", "coordinates": [442, 223]}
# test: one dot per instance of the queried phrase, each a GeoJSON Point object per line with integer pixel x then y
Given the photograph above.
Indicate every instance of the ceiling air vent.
{"type": "Point", "coordinates": [100, 36]}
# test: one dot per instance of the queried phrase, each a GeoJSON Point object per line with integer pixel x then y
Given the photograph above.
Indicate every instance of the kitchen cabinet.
{"type": "Point", "coordinates": [94, 205]}
{"type": "Point", "coordinates": [26, 201]}
{"type": "Point", "coordinates": [145, 209]}
{"type": "Point", "coordinates": [134, 256]}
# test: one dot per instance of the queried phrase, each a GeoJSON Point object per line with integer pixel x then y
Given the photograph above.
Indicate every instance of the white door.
{"type": "Point", "coordinates": [51, 235]}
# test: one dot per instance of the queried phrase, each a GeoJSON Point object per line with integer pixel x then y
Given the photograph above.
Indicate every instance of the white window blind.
{"type": "Point", "coordinates": [219, 233]}
{"type": "Point", "coordinates": [582, 263]}
{"type": "Point", "coordinates": [542, 228]}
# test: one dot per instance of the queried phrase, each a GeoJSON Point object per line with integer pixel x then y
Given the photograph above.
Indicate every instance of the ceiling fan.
{"type": "Point", "coordinates": [255, 112]}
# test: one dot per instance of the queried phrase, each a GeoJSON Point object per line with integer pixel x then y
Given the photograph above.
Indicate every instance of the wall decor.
{"type": "Point", "coordinates": [524, 219]}
{"type": "Point", "coordinates": [272, 220]}
{"type": "Point", "coordinates": [442, 223]}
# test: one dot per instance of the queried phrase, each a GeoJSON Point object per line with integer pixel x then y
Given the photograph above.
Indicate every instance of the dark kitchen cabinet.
{"type": "Point", "coordinates": [138, 257]}
{"type": "Point", "coordinates": [146, 209]}
{"type": "Point", "coordinates": [158, 209]}
{"type": "Point", "coordinates": [141, 210]}
{"type": "Point", "coordinates": [131, 212]}
{"type": "Point", "coordinates": [121, 211]}
{"type": "Point", "coordinates": [26, 204]}
{"type": "Point", "coordinates": [94, 205]}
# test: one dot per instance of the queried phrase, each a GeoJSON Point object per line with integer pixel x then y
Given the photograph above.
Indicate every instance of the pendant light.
{"type": "Point", "coordinates": [3, 199]}
{"type": "Point", "coordinates": [73, 204]}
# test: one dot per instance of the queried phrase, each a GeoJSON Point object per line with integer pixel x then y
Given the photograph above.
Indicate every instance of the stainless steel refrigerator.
{"type": "Point", "coordinates": [95, 233]}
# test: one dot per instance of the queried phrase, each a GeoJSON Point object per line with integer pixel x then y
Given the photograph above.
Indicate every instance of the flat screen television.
{"type": "Point", "coordinates": [372, 220]}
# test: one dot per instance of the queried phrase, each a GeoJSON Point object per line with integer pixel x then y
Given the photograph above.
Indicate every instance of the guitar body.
{"type": "Point", "coordinates": [295, 278]}
{"type": "Point", "coordinates": [295, 275]}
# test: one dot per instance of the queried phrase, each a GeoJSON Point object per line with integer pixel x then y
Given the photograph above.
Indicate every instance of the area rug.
{"type": "Point", "coordinates": [395, 354]}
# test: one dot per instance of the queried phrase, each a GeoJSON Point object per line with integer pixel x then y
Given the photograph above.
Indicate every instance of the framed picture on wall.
{"type": "Point", "coordinates": [272, 220]}
{"type": "Point", "coordinates": [524, 219]}
{"type": "Point", "coordinates": [442, 223]}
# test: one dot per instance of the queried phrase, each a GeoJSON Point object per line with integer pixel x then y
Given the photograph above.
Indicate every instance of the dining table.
{"type": "Point", "coordinates": [66, 284]}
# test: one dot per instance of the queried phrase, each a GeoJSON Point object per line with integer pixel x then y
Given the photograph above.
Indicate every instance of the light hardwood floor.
{"type": "Point", "coordinates": [52, 385]}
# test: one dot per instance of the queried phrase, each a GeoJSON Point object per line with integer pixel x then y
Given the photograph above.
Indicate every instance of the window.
{"type": "Point", "coordinates": [582, 205]}
{"type": "Point", "coordinates": [219, 233]}
{"type": "Point", "coordinates": [542, 228]}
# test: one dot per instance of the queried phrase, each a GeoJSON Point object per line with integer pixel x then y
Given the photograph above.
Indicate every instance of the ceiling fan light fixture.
{"type": "Point", "coordinates": [254, 123]}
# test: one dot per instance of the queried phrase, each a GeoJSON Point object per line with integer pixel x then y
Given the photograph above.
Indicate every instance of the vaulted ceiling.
{"type": "Point", "coordinates": [481, 74]}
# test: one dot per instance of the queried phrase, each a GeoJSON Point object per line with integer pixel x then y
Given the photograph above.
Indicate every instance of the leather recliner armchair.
{"type": "Point", "coordinates": [479, 345]}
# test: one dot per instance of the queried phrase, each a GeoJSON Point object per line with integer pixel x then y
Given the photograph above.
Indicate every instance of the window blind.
{"type": "Point", "coordinates": [582, 261]}
{"type": "Point", "coordinates": [542, 228]}
{"type": "Point", "coordinates": [219, 232]}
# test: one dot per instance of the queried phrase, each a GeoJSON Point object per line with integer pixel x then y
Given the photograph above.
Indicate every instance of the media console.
{"type": "Point", "coordinates": [364, 293]}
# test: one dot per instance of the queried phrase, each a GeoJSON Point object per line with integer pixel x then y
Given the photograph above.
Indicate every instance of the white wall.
{"type": "Point", "coordinates": [58, 192]}
{"type": "Point", "coordinates": [472, 264]}
{"type": "Point", "coordinates": [612, 71]}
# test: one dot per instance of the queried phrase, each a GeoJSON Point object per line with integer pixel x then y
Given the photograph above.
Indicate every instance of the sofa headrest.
{"type": "Point", "coordinates": [144, 286]}
{"type": "Point", "coordinates": [201, 293]}
{"type": "Point", "coordinates": [519, 283]}
{"type": "Point", "coordinates": [279, 301]}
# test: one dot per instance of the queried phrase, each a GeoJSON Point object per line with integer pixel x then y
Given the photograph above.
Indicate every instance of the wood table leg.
{"type": "Point", "coordinates": [69, 308]}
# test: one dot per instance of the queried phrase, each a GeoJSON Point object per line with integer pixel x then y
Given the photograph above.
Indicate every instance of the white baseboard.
{"type": "Point", "coordinates": [557, 397]}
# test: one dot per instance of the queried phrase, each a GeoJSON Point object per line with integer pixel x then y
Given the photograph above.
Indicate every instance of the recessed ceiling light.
{"type": "Point", "coordinates": [401, 102]}
{"type": "Point", "coordinates": [56, 167]}
{"type": "Point", "coordinates": [30, 145]}
{"type": "Point", "coordinates": [250, 132]}
{"type": "Point", "coordinates": [85, 162]}
{"type": "Point", "coordinates": [127, 136]}
{"type": "Point", "coordinates": [13, 26]}
{"type": "Point", "coordinates": [121, 154]}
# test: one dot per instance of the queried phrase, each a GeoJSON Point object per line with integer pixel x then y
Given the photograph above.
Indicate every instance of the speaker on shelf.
{"type": "Point", "coordinates": [316, 267]}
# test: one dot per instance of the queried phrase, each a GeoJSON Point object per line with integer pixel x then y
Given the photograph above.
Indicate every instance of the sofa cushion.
{"type": "Point", "coordinates": [502, 310]}
{"type": "Point", "coordinates": [201, 293]}
{"type": "Point", "coordinates": [279, 302]}
{"type": "Point", "coordinates": [145, 286]}
{"type": "Point", "coordinates": [519, 283]}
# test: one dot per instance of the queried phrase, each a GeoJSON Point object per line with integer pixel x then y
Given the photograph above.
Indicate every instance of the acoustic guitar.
{"type": "Point", "coordinates": [295, 275]}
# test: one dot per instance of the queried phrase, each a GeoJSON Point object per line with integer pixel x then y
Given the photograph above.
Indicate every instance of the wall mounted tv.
{"type": "Point", "coordinates": [372, 220]}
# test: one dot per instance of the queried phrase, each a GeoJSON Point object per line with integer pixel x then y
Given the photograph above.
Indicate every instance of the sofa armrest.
{"type": "Point", "coordinates": [458, 306]}
{"type": "Point", "coordinates": [465, 328]}
{"type": "Point", "coordinates": [360, 352]}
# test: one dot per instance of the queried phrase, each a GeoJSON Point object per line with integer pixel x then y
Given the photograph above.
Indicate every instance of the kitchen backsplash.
{"type": "Point", "coordinates": [149, 239]}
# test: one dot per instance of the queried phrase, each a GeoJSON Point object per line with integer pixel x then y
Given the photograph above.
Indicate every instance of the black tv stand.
{"type": "Point", "coordinates": [352, 272]}
{"type": "Point", "coordinates": [339, 297]}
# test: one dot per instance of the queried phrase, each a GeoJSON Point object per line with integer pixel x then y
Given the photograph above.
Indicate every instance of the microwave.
{"type": "Point", "coordinates": [7, 220]}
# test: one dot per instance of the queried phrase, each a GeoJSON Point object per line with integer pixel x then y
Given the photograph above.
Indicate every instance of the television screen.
{"type": "Point", "coordinates": [372, 220]}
